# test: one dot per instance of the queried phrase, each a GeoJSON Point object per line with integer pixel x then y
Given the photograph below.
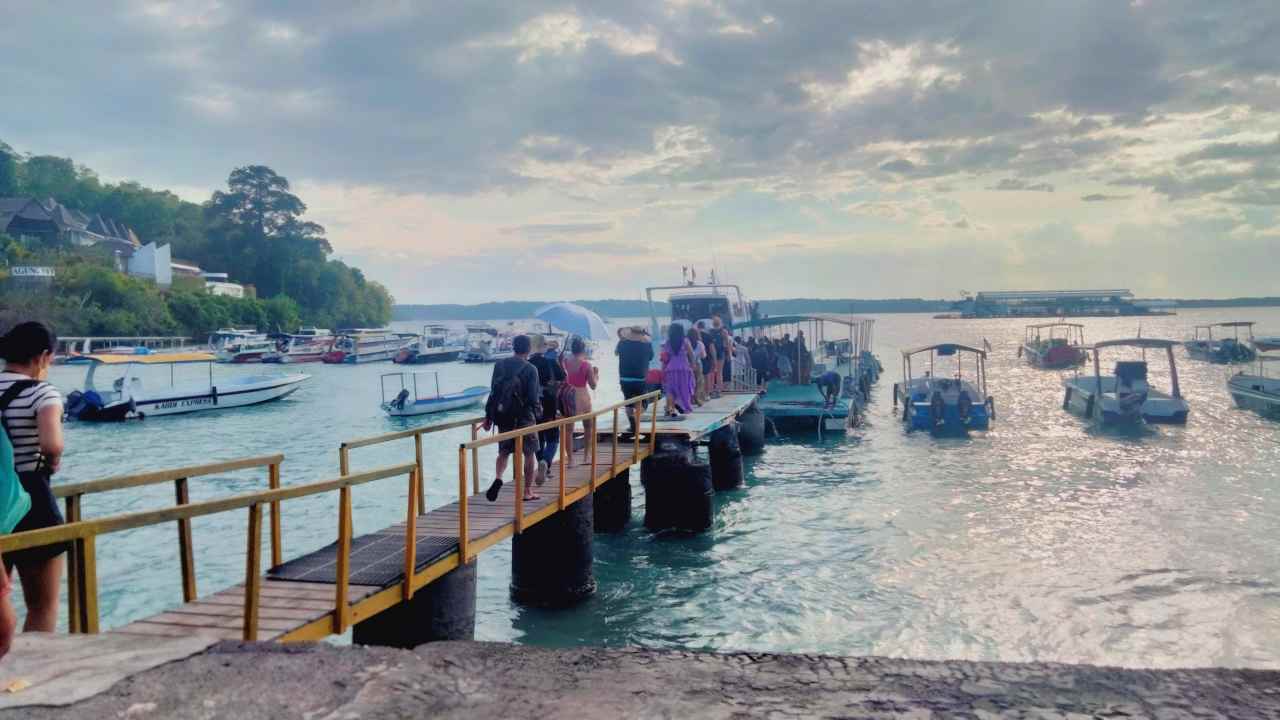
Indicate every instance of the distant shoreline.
{"type": "Point", "coordinates": [789, 306]}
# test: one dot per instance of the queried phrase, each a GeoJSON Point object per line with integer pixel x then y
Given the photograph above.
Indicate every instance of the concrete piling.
{"type": "Point", "coordinates": [612, 504]}
{"type": "Point", "coordinates": [678, 493]}
{"type": "Point", "coordinates": [751, 431]}
{"type": "Point", "coordinates": [443, 610]}
{"type": "Point", "coordinates": [726, 459]}
{"type": "Point", "coordinates": [551, 561]}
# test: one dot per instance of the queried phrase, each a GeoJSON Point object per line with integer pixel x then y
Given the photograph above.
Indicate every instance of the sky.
{"type": "Point", "coordinates": [474, 151]}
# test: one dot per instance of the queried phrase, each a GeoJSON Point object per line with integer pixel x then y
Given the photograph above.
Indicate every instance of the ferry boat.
{"type": "Point", "coordinates": [1125, 397]}
{"type": "Point", "coordinates": [435, 344]}
{"type": "Point", "coordinates": [362, 345]}
{"type": "Point", "coordinates": [840, 345]}
{"type": "Point", "coordinates": [246, 351]}
{"type": "Point", "coordinates": [408, 403]}
{"type": "Point", "coordinates": [1259, 390]}
{"type": "Point", "coordinates": [691, 302]}
{"type": "Point", "coordinates": [309, 344]}
{"type": "Point", "coordinates": [1054, 346]}
{"type": "Point", "coordinates": [954, 404]}
{"type": "Point", "coordinates": [141, 391]}
{"type": "Point", "coordinates": [485, 344]}
{"type": "Point", "coordinates": [1204, 346]}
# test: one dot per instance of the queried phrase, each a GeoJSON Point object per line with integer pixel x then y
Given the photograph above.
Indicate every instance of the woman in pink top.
{"type": "Point", "coordinates": [583, 377]}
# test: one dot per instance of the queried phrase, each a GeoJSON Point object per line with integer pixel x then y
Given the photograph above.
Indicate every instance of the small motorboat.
{"type": "Point", "coordinates": [435, 345]}
{"type": "Point", "coordinates": [246, 351]}
{"type": "Point", "coordinates": [309, 344]}
{"type": "Point", "coordinates": [953, 403]}
{"type": "Point", "coordinates": [141, 389]}
{"type": "Point", "coordinates": [485, 345]}
{"type": "Point", "coordinates": [410, 400]}
{"type": "Point", "coordinates": [1126, 397]}
{"type": "Point", "coordinates": [1266, 343]}
{"type": "Point", "coordinates": [1054, 346]}
{"type": "Point", "coordinates": [1258, 390]}
{"type": "Point", "coordinates": [1235, 349]}
{"type": "Point", "coordinates": [362, 345]}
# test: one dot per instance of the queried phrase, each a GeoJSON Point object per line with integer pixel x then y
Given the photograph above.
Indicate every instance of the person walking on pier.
{"type": "Point", "coordinates": [31, 415]}
{"type": "Point", "coordinates": [583, 377]}
{"type": "Point", "coordinates": [635, 352]}
{"type": "Point", "coordinates": [721, 344]}
{"type": "Point", "coordinates": [515, 400]}
{"type": "Point", "coordinates": [550, 375]}
{"type": "Point", "coordinates": [701, 364]}
{"type": "Point", "coordinates": [677, 371]}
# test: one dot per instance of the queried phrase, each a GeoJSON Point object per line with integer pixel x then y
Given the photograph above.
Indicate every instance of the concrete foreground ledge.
{"type": "Point", "coordinates": [490, 680]}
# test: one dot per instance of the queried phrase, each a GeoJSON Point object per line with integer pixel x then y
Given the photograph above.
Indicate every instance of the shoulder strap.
{"type": "Point", "coordinates": [12, 394]}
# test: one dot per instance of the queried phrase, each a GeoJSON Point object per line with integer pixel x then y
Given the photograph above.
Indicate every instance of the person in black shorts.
{"type": "Point", "coordinates": [635, 353]}
{"type": "Point", "coordinates": [515, 400]}
{"type": "Point", "coordinates": [31, 414]}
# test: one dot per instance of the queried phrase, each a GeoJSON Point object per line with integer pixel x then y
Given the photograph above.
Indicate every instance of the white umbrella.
{"type": "Point", "coordinates": [573, 319]}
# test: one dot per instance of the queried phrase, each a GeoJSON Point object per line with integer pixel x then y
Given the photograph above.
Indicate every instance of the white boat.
{"type": "Point", "coordinates": [142, 391]}
{"type": "Point", "coordinates": [220, 339]}
{"type": "Point", "coordinates": [1204, 346]}
{"type": "Point", "coordinates": [1126, 397]}
{"type": "Point", "coordinates": [362, 345]}
{"type": "Point", "coordinates": [424, 398]}
{"type": "Point", "coordinates": [309, 344]}
{"type": "Point", "coordinates": [1259, 390]}
{"type": "Point", "coordinates": [1266, 343]}
{"type": "Point", "coordinates": [246, 351]}
{"type": "Point", "coordinates": [692, 302]}
{"type": "Point", "coordinates": [435, 344]}
{"type": "Point", "coordinates": [485, 344]}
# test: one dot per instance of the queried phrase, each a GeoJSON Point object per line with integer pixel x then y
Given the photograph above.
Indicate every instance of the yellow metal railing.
{"type": "Point", "coordinates": [75, 492]}
{"type": "Point", "coordinates": [565, 425]}
{"type": "Point", "coordinates": [84, 534]}
{"type": "Point", "coordinates": [344, 450]}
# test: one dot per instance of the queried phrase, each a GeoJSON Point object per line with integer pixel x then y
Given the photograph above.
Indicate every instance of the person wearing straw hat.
{"type": "Point", "coordinates": [635, 353]}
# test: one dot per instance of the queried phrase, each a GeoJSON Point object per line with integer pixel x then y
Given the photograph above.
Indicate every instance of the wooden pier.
{"type": "Point", "coordinates": [272, 604]}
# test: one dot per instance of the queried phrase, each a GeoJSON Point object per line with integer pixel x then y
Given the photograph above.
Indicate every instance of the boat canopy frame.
{"type": "Point", "coordinates": [1145, 344]}
{"type": "Point", "coordinates": [1074, 332]}
{"type": "Point", "coordinates": [129, 361]}
{"type": "Point", "coordinates": [382, 382]}
{"type": "Point", "coordinates": [1235, 325]}
{"type": "Point", "coordinates": [860, 333]}
{"type": "Point", "coordinates": [947, 350]}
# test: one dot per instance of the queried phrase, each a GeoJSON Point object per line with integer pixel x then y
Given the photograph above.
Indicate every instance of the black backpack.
{"type": "Point", "coordinates": [507, 403]}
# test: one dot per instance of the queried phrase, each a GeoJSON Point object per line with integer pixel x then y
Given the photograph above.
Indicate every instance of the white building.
{"type": "Point", "coordinates": [220, 284]}
{"type": "Point", "coordinates": [153, 262]}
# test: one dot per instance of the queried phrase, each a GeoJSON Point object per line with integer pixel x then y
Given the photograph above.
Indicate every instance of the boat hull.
{"type": "Point", "coordinates": [1054, 358]}
{"type": "Point", "coordinates": [418, 358]}
{"type": "Point", "coordinates": [228, 396]}
{"type": "Point", "coordinates": [1256, 393]}
{"type": "Point", "coordinates": [1081, 399]}
{"type": "Point", "coordinates": [1220, 353]}
{"type": "Point", "coordinates": [920, 410]}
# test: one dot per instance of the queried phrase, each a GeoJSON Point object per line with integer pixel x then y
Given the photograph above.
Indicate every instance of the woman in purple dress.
{"type": "Point", "coordinates": [677, 371]}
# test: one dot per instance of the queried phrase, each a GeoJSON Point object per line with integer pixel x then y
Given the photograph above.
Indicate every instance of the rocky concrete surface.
{"type": "Point", "coordinates": [484, 680]}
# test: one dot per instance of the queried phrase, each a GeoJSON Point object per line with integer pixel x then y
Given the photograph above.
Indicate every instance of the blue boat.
{"type": "Point", "coordinates": [944, 403]}
{"type": "Point", "coordinates": [1235, 349]}
{"type": "Point", "coordinates": [406, 403]}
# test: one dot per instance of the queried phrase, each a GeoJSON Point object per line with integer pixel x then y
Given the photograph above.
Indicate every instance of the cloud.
{"type": "Point", "coordinates": [537, 230]}
{"type": "Point", "coordinates": [1099, 197]}
{"type": "Point", "coordinates": [1016, 184]}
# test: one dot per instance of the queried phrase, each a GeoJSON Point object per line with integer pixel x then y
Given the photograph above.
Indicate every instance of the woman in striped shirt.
{"type": "Point", "coordinates": [31, 413]}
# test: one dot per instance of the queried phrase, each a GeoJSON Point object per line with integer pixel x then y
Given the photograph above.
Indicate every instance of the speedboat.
{"type": "Point", "coordinates": [435, 344]}
{"type": "Point", "coordinates": [954, 403]}
{"type": "Point", "coordinates": [1266, 343]}
{"type": "Point", "coordinates": [1053, 346]}
{"type": "Point", "coordinates": [246, 351]}
{"type": "Point", "coordinates": [309, 344]}
{"type": "Point", "coordinates": [362, 345]}
{"type": "Point", "coordinates": [1204, 346]}
{"type": "Point", "coordinates": [485, 344]}
{"type": "Point", "coordinates": [409, 402]}
{"type": "Point", "coordinates": [141, 389]}
{"type": "Point", "coordinates": [1125, 397]}
{"type": "Point", "coordinates": [1259, 390]}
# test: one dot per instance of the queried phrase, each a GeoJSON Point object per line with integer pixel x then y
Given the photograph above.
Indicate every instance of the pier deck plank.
{"type": "Point", "coordinates": [711, 416]}
{"type": "Point", "coordinates": [293, 610]}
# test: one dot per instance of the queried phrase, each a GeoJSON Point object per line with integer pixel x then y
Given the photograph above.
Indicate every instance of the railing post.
{"type": "Point", "coordinates": [341, 609]}
{"type": "Point", "coordinates": [273, 480]}
{"type": "Point", "coordinates": [637, 411]}
{"type": "Point", "coordinates": [462, 504]}
{"type": "Point", "coordinates": [74, 558]}
{"type": "Point", "coordinates": [253, 573]}
{"type": "Point", "coordinates": [89, 586]}
{"type": "Point", "coordinates": [185, 553]}
{"type": "Point", "coordinates": [475, 460]}
{"type": "Point", "coordinates": [417, 458]}
{"type": "Point", "coordinates": [517, 466]}
{"type": "Point", "coordinates": [564, 456]}
{"type": "Point", "coordinates": [593, 445]}
{"type": "Point", "coordinates": [613, 461]}
{"type": "Point", "coordinates": [411, 535]}
{"type": "Point", "coordinates": [653, 429]}
{"type": "Point", "coordinates": [344, 461]}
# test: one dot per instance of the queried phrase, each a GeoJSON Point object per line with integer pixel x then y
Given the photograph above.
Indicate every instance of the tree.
{"type": "Point", "coordinates": [8, 171]}
{"type": "Point", "coordinates": [45, 176]}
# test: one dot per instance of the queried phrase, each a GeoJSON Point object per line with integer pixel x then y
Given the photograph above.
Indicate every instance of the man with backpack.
{"type": "Point", "coordinates": [515, 401]}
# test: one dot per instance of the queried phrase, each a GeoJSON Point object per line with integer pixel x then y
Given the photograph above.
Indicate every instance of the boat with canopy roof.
{"type": "Point", "coordinates": [1054, 346]}
{"type": "Point", "coordinates": [1204, 346]}
{"type": "Point", "coordinates": [954, 402]}
{"type": "Point", "coordinates": [1125, 397]}
{"type": "Point", "coordinates": [1258, 389]}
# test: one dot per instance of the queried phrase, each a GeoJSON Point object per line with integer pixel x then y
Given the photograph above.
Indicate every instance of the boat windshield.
{"type": "Point", "coordinates": [694, 309]}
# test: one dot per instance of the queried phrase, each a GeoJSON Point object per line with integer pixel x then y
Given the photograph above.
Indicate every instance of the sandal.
{"type": "Point", "coordinates": [531, 498]}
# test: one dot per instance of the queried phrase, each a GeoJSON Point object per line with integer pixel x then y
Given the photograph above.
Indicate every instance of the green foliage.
{"type": "Point", "coordinates": [254, 231]}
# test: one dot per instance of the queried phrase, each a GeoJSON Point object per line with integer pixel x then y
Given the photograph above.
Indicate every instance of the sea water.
{"type": "Point", "coordinates": [1041, 539]}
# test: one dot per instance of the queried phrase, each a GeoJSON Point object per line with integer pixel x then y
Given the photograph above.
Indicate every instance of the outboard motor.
{"type": "Point", "coordinates": [1131, 387]}
{"type": "Point", "coordinates": [401, 398]}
